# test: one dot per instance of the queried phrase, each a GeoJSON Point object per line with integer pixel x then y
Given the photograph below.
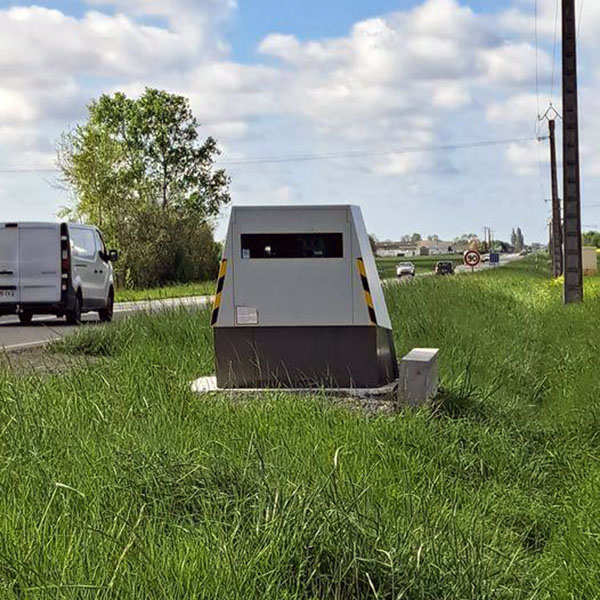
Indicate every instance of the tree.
{"type": "Point", "coordinates": [591, 238]}
{"type": "Point", "coordinates": [373, 241]}
{"type": "Point", "coordinates": [138, 165]}
{"type": "Point", "coordinates": [501, 246]}
{"type": "Point", "coordinates": [415, 237]}
{"type": "Point", "coordinates": [466, 238]}
{"type": "Point", "coordinates": [520, 240]}
{"type": "Point", "coordinates": [433, 238]}
{"type": "Point", "coordinates": [513, 238]}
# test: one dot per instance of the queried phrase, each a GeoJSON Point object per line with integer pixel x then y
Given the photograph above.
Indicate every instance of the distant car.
{"type": "Point", "coordinates": [485, 258]}
{"type": "Point", "coordinates": [405, 269]}
{"type": "Point", "coordinates": [444, 267]}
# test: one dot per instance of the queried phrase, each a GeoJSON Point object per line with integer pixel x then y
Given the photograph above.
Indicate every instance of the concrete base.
{"type": "Point", "coordinates": [304, 357]}
{"type": "Point", "coordinates": [418, 376]}
{"type": "Point", "coordinates": [208, 385]}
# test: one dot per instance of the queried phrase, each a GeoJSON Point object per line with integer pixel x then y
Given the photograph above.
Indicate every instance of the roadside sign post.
{"type": "Point", "coordinates": [495, 259]}
{"type": "Point", "coordinates": [472, 258]}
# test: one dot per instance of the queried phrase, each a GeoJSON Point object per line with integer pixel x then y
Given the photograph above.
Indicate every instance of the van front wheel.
{"type": "Point", "coordinates": [74, 316]}
{"type": "Point", "coordinates": [25, 318]}
{"type": "Point", "coordinates": [106, 314]}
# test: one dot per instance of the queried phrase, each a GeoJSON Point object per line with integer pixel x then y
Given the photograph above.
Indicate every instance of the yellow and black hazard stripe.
{"type": "Point", "coordinates": [367, 290]}
{"type": "Point", "coordinates": [219, 292]}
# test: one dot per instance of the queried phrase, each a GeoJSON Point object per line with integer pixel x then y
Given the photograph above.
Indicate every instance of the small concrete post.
{"type": "Point", "coordinates": [590, 260]}
{"type": "Point", "coordinates": [418, 376]}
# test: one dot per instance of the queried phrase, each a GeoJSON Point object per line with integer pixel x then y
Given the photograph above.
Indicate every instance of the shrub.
{"type": "Point", "coordinates": [166, 248]}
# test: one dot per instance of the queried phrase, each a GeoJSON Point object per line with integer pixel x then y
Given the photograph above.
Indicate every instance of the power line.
{"type": "Point", "coordinates": [373, 153]}
{"type": "Point", "coordinates": [330, 156]}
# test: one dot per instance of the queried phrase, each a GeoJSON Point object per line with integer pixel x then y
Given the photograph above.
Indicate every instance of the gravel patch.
{"type": "Point", "coordinates": [39, 361]}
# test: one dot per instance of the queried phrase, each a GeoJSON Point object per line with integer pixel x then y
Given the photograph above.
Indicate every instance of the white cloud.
{"type": "Point", "coordinates": [96, 45]}
{"type": "Point", "coordinates": [521, 19]}
{"type": "Point", "coordinates": [14, 106]}
{"type": "Point", "coordinates": [515, 64]}
{"type": "Point", "coordinates": [416, 77]}
{"type": "Point", "coordinates": [402, 164]}
{"type": "Point", "coordinates": [265, 194]}
{"type": "Point", "coordinates": [525, 159]}
{"type": "Point", "coordinates": [387, 83]}
{"type": "Point", "coordinates": [396, 79]}
{"type": "Point", "coordinates": [195, 22]}
{"type": "Point", "coordinates": [451, 95]}
{"type": "Point", "coordinates": [286, 47]}
{"type": "Point", "coordinates": [517, 113]}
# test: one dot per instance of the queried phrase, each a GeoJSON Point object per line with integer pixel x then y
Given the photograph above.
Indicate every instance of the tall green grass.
{"type": "Point", "coordinates": [118, 482]}
{"type": "Point", "coordinates": [182, 290]}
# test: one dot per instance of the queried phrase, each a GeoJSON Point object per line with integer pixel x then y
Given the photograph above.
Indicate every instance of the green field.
{"type": "Point", "coordinates": [423, 264]}
{"type": "Point", "coordinates": [118, 482]}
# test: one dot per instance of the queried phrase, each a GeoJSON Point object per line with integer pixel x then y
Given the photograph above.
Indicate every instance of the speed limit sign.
{"type": "Point", "coordinates": [472, 258]}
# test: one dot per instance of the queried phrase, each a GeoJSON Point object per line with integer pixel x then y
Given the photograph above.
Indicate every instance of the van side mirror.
{"type": "Point", "coordinates": [113, 256]}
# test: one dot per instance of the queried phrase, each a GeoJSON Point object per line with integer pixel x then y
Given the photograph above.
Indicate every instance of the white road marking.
{"type": "Point", "coordinates": [27, 345]}
{"type": "Point", "coordinates": [121, 308]}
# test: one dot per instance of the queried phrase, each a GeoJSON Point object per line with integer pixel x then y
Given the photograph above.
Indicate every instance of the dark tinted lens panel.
{"type": "Point", "coordinates": [292, 245]}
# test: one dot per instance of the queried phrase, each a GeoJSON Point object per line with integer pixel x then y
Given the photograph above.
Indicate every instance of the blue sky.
{"type": "Point", "coordinates": [271, 78]}
{"type": "Point", "coordinates": [307, 19]}
{"type": "Point", "coordinates": [313, 19]}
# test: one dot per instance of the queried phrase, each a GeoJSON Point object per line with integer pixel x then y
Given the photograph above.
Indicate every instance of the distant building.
{"type": "Point", "coordinates": [396, 249]}
{"type": "Point", "coordinates": [436, 247]}
{"type": "Point", "coordinates": [421, 248]}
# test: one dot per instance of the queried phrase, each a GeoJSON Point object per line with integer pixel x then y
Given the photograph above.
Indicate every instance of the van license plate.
{"type": "Point", "coordinates": [7, 294]}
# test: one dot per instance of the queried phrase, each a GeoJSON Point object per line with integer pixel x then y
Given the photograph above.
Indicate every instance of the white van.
{"type": "Point", "coordinates": [57, 269]}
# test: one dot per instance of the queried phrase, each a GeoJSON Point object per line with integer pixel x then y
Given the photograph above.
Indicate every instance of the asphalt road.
{"type": "Point", "coordinates": [504, 260]}
{"type": "Point", "coordinates": [44, 329]}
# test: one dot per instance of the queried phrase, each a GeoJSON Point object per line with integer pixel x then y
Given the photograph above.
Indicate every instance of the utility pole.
{"type": "Point", "coordinates": [487, 235]}
{"type": "Point", "coordinates": [557, 242]}
{"type": "Point", "coordinates": [573, 291]}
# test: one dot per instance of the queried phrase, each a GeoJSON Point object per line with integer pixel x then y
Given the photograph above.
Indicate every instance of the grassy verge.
{"type": "Point", "coordinates": [423, 264]}
{"type": "Point", "coordinates": [385, 266]}
{"type": "Point", "coordinates": [118, 482]}
{"type": "Point", "coordinates": [202, 288]}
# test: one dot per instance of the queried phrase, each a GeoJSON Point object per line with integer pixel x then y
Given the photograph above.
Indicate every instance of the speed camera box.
{"type": "Point", "coordinates": [299, 302]}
